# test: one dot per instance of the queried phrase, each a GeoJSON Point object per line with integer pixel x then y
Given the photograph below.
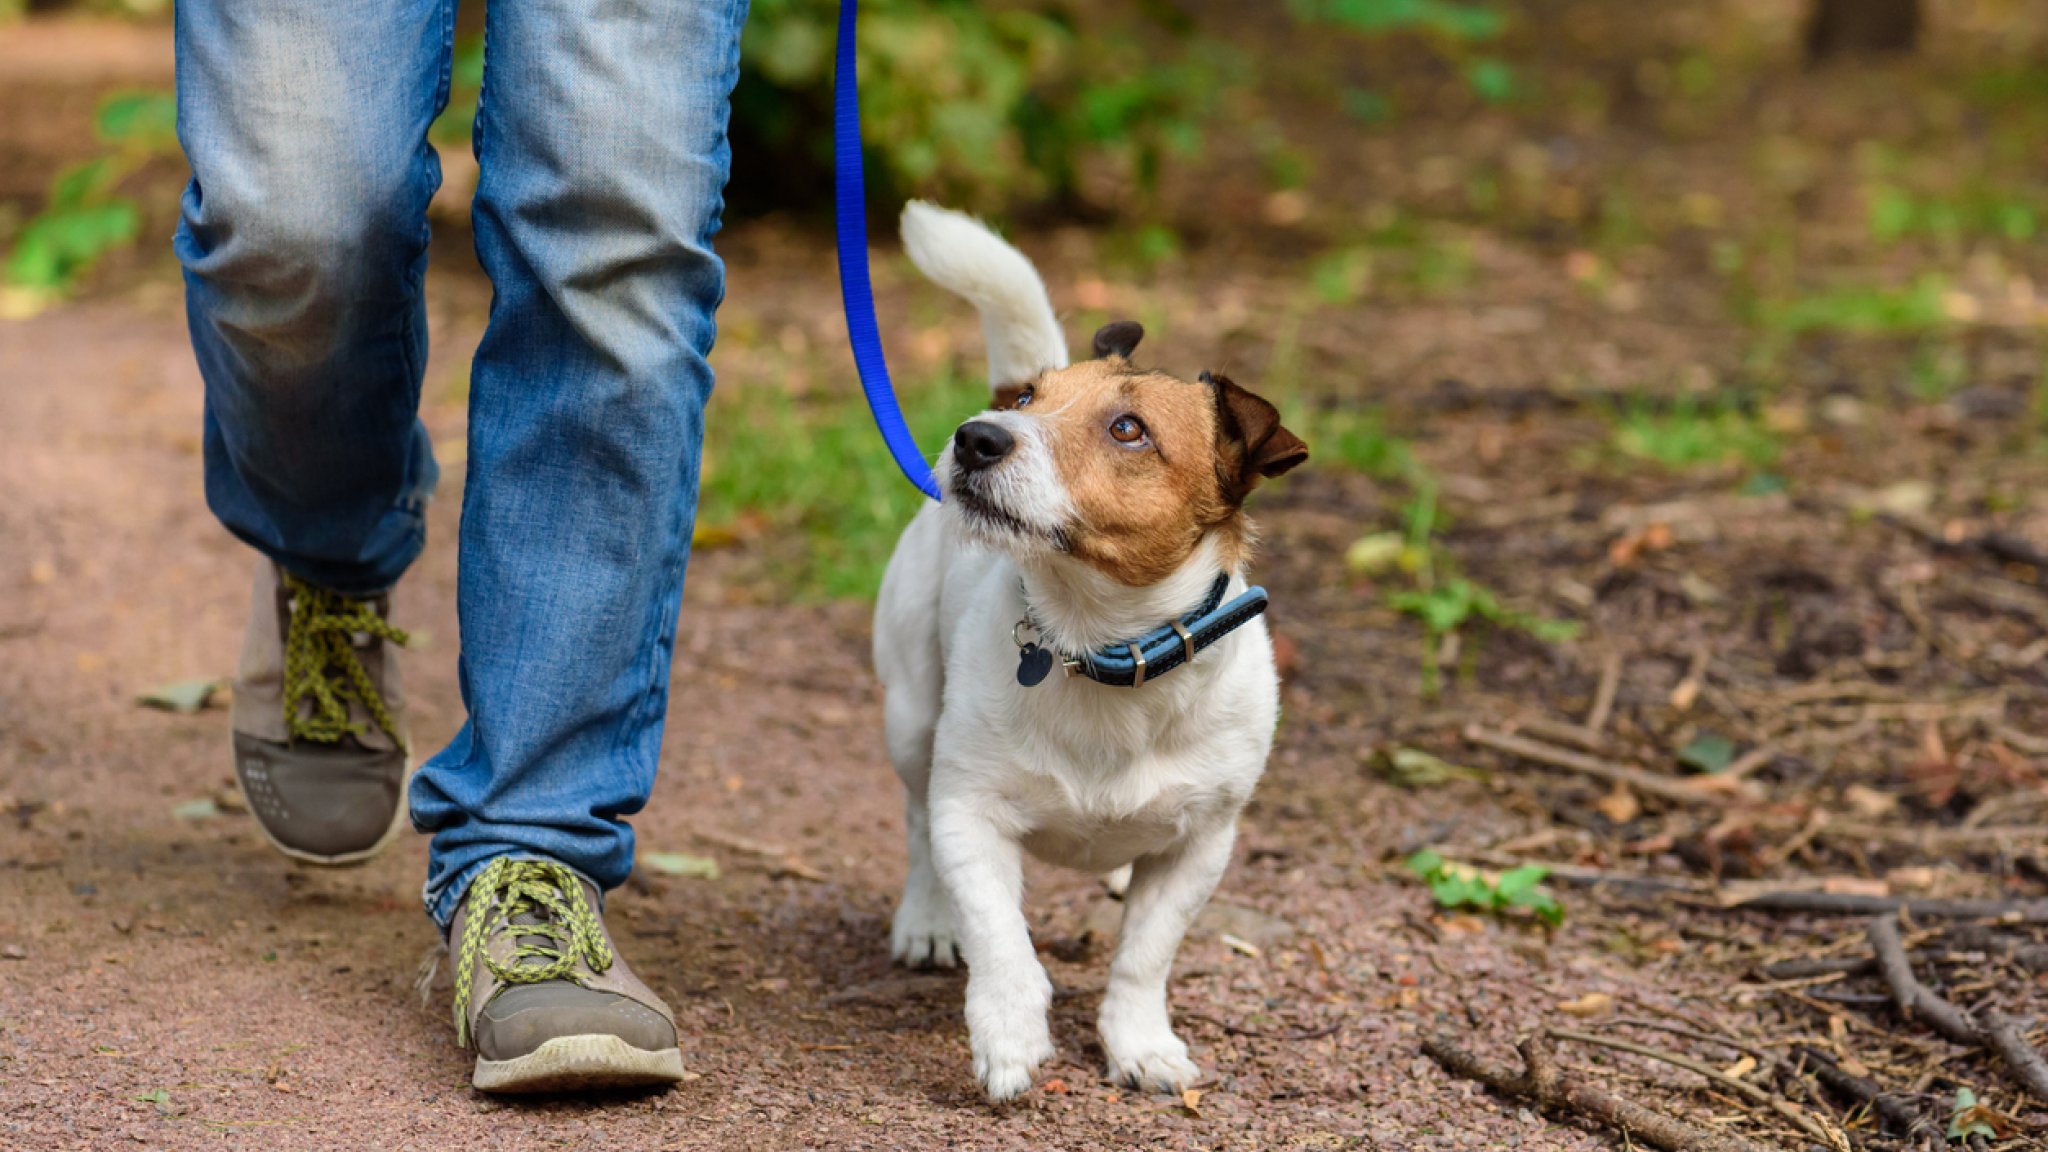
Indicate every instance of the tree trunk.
{"type": "Point", "coordinates": [1848, 27]}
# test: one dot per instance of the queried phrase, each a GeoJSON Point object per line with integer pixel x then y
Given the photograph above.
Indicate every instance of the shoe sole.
{"type": "Point", "coordinates": [578, 1063]}
{"type": "Point", "coordinates": [344, 859]}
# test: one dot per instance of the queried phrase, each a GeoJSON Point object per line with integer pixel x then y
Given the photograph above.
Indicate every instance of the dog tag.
{"type": "Point", "coordinates": [1033, 665]}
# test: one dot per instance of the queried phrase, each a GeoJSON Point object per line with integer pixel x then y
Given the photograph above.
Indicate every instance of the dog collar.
{"type": "Point", "coordinates": [1135, 663]}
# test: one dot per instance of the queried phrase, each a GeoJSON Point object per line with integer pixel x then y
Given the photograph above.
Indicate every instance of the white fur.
{"type": "Point", "coordinates": [961, 255]}
{"type": "Point", "coordinates": [1076, 773]}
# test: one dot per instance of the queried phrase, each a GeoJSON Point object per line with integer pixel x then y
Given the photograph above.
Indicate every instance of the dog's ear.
{"type": "Point", "coordinates": [1118, 338]}
{"type": "Point", "coordinates": [1251, 444]}
{"type": "Point", "coordinates": [1006, 394]}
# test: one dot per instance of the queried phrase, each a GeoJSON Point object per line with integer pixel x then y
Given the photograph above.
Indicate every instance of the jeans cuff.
{"type": "Point", "coordinates": [441, 905]}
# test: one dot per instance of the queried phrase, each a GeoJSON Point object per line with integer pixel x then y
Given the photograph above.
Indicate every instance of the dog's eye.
{"type": "Point", "coordinates": [1023, 398]}
{"type": "Point", "coordinates": [1127, 429]}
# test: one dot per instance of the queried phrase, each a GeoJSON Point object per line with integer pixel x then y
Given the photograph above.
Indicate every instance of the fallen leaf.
{"type": "Point", "coordinates": [1591, 1004]}
{"type": "Point", "coordinates": [1867, 801]}
{"type": "Point", "coordinates": [1917, 878]}
{"type": "Point", "coordinates": [1620, 805]}
{"type": "Point", "coordinates": [185, 696]}
{"type": "Point", "coordinates": [1057, 1086]}
{"type": "Point", "coordinates": [1414, 768]}
{"type": "Point", "coordinates": [1740, 1068]}
{"type": "Point", "coordinates": [1683, 696]}
{"type": "Point", "coordinates": [1708, 752]}
{"type": "Point", "coordinates": [1191, 1099]}
{"type": "Point", "coordinates": [1241, 946]}
{"type": "Point", "coordinates": [1906, 498]}
{"type": "Point", "coordinates": [1375, 554]}
{"type": "Point", "coordinates": [1974, 1119]}
{"type": "Point", "coordinates": [201, 809]}
{"type": "Point", "coordinates": [681, 864]}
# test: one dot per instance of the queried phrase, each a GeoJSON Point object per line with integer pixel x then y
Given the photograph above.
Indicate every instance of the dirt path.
{"type": "Point", "coordinates": [173, 983]}
{"type": "Point", "coordinates": [1765, 530]}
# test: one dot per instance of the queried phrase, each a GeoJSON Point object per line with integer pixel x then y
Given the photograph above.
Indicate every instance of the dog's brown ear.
{"type": "Point", "coordinates": [1118, 338]}
{"type": "Point", "coordinates": [1251, 444]}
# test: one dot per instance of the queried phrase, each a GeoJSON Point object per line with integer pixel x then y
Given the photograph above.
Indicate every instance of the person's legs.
{"type": "Point", "coordinates": [303, 236]}
{"type": "Point", "coordinates": [304, 239]}
{"type": "Point", "coordinates": [601, 137]}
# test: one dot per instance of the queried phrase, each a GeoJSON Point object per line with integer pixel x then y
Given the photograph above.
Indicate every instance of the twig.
{"type": "Point", "coordinates": [1728, 1042]}
{"type": "Point", "coordinates": [1936, 839]}
{"type": "Point", "coordinates": [1858, 904]}
{"type": "Point", "coordinates": [1542, 1084]}
{"type": "Point", "coordinates": [1998, 1033]}
{"type": "Point", "coordinates": [1649, 783]}
{"type": "Point", "coordinates": [2002, 1035]}
{"type": "Point", "coordinates": [1603, 696]}
{"type": "Point", "coordinates": [1914, 999]}
{"type": "Point", "coordinates": [1818, 1129]}
{"type": "Point", "coordinates": [1747, 764]}
{"type": "Point", "coordinates": [1806, 968]}
{"type": "Point", "coordinates": [1896, 1111]}
{"type": "Point", "coordinates": [1298, 1034]}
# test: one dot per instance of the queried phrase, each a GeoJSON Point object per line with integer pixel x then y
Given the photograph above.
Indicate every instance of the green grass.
{"type": "Point", "coordinates": [1691, 434]}
{"type": "Point", "coordinates": [1353, 439]}
{"type": "Point", "coordinates": [1862, 310]}
{"type": "Point", "coordinates": [815, 468]}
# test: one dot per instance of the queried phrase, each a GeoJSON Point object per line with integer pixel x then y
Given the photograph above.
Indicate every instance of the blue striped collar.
{"type": "Point", "coordinates": [1135, 663]}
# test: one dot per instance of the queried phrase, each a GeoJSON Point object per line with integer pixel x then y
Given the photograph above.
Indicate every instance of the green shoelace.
{"type": "Point", "coordinates": [321, 667]}
{"type": "Point", "coordinates": [568, 931]}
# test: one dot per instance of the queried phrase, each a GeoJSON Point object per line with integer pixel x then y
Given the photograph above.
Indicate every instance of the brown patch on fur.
{"type": "Point", "coordinates": [1143, 511]}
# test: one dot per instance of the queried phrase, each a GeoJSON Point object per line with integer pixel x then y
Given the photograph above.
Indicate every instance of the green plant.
{"type": "Point", "coordinates": [1895, 214]}
{"type": "Point", "coordinates": [1691, 433]}
{"type": "Point", "coordinates": [1443, 601]}
{"type": "Point", "coordinates": [457, 122]}
{"type": "Point", "coordinates": [1454, 885]}
{"type": "Point", "coordinates": [812, 469]}
{"type": "Point", "coordinates": [983, 106]}
{"type": "Point", "coordinates": [87, 215]}
{"type": "Point", "coordinates": [1862, 310]}
{"type": "Point", "coordinates": [1453, 26]}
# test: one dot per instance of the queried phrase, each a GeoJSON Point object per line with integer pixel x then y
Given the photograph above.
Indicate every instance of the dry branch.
{"type": "Point", "coordinates": [1818, 1129]}
{"type": "Point", "coordinates": [2002, 1035]}
{"type": "Point", "coordinates": [1896, 1112]}
{"type": "Point", "coordinates": [1648, 783]}
{"type": "Point", "coordinates": [1542, 1084]}
{"type": "Point", "coordinates": [1998, 1034]}
{"type": "Point", "coordinates": [1859, 904]}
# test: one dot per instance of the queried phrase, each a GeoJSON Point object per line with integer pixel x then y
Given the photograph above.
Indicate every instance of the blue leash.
{"type": "Point", "coordinates": [849, 187]}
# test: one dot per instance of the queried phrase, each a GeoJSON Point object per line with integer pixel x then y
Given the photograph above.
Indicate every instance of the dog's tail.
{"type": "Point", "coordinates": [959, 253]}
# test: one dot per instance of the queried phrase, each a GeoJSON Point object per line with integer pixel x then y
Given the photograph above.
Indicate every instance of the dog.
{"type": "Point", "coordinates": [1092, 504]}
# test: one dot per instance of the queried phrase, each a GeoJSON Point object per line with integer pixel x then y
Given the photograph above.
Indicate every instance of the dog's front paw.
{"type": "Point", "coordinates": [922, 933]}
{"type": "Point", "coordinates": [1004, 1065]}
{"type": "Point", "coordinates": [1151, 1062]}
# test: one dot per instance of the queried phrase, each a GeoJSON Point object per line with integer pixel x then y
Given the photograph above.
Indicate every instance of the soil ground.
{"type": "Point", "coordinates": [1855, 610]}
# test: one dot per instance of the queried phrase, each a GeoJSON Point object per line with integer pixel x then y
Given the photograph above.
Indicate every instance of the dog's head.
{"type": "Point", "coordinates": [1122, 469]}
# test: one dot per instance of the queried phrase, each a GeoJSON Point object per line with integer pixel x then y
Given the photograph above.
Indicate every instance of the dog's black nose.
{"type": "Point", "coordinates": [979, 444]}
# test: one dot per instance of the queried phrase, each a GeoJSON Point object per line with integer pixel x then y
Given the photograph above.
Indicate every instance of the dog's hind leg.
{"type": "Point", "coordinates": [1165, 895]}
{"type": "Point", "coordinates": [912, 670]}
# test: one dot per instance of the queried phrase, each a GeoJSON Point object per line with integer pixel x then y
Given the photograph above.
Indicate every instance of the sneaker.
{"type": "Point", "coordinates": [319, 721]}
{"type": "Point", "coordinates": [542, 994]}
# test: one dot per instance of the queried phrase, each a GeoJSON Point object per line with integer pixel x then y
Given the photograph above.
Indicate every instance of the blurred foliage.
{"type": "Point", "coordinates": [1692, 433]}
{"type": "Point", "coordinates": [989, 107]}
{"type": "Point", "coordinates": [87, 216]}
{"type": "Point", "coordinates": [992, 107]}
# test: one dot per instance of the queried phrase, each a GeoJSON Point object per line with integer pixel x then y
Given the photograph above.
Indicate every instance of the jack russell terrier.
{"type": "Point", "coordinates": [1073, 663]}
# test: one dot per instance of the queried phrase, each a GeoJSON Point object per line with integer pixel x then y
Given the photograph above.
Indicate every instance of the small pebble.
{"type": "Point", "coordinates": [13, 952]}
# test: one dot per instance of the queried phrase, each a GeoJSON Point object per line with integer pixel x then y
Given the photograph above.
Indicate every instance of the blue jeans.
{"type": "Point", "coordinates": [602, 140]}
